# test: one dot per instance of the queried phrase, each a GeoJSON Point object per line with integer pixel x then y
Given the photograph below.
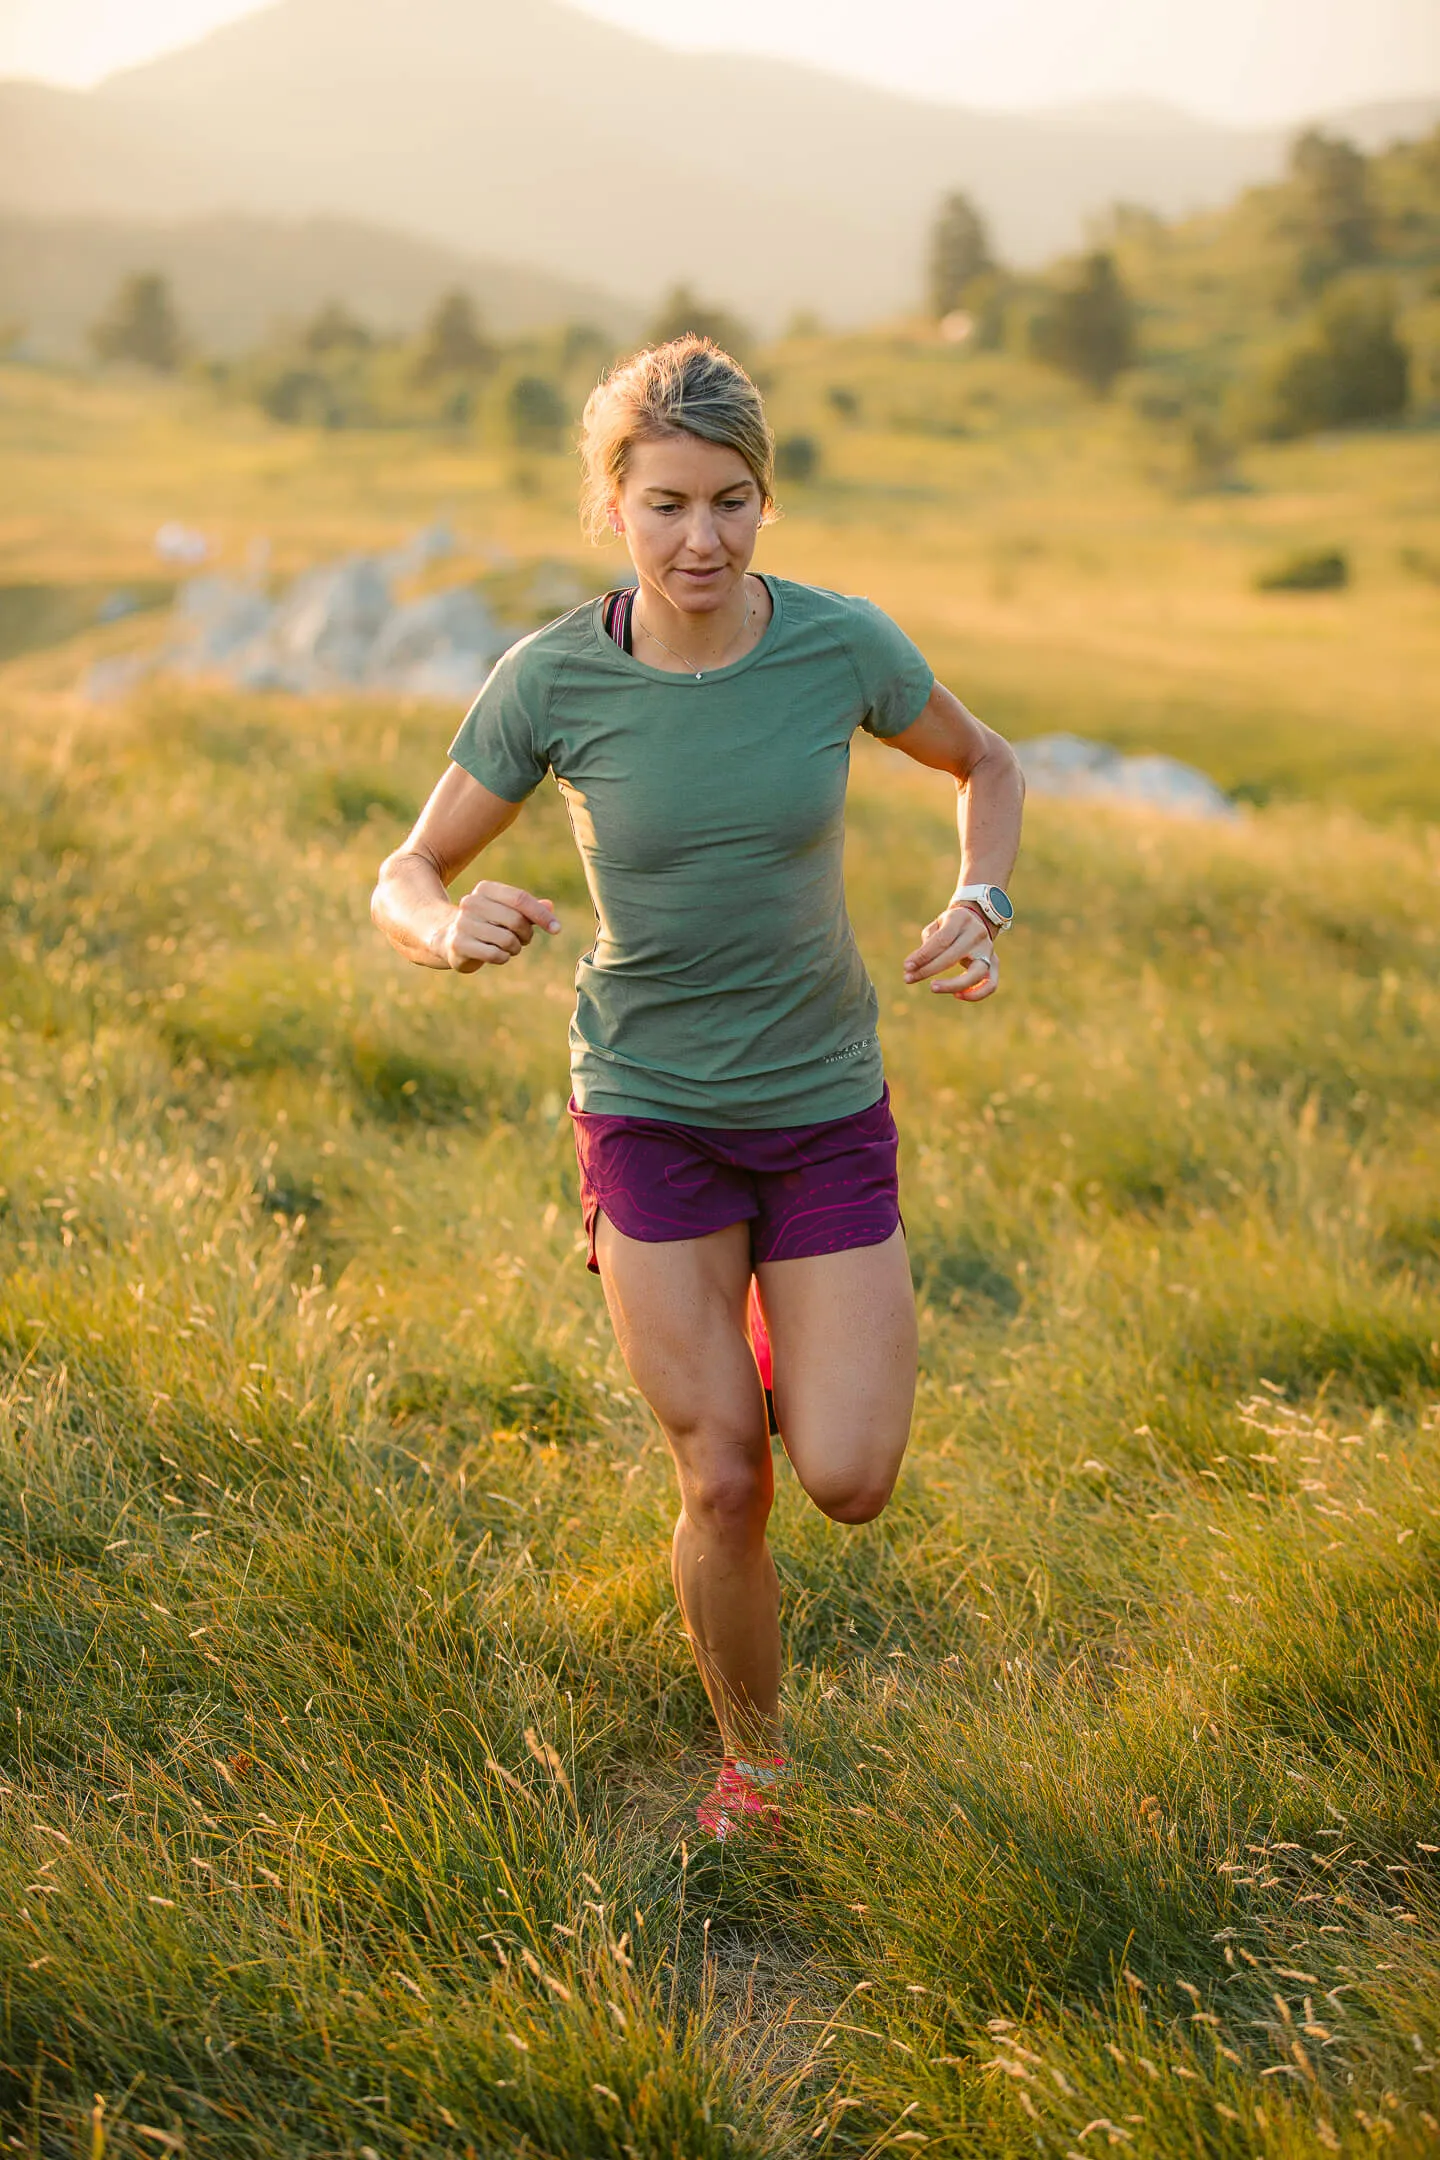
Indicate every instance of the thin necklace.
{"type": "Point", "coordinates": [689, 665]}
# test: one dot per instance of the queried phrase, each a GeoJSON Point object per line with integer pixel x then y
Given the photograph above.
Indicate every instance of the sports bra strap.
{"type": "Point", "coordinates": [616, 610]}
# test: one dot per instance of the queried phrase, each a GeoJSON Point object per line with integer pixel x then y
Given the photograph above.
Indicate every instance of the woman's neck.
{"type": "Point", "coordinates": [674, 639]}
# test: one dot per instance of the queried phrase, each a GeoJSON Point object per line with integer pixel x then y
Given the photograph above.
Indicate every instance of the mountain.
{"type": "Point", "coordinates": [235, 276]}
{"type": "Point", "coordinates": [535, 133]}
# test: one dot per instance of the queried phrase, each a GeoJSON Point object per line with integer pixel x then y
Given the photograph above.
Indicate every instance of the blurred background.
{"type": "Point", "coordinates": [1064, 302]}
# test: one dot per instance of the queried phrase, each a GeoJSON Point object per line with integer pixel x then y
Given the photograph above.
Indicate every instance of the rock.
{"type": "Point", "coordinates": [1164, 783]}
{"type": "Point", "coordinates": [329, 621]}
{"type": "Point", "coordinates": [433, 543]}
{"type": "Point", "coordinates": [436, 647]}
{"type": "Point", "coordinates": [1069, 765]}
{"type": "Point", "coordinates": [181, 545]}
{"type": "Point", "coordinates": [217, 619]}
{"type": "Point", "coordinates": [337, 627]}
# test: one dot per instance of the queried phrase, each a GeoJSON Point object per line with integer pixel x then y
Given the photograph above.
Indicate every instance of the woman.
{"type": "Point", "coordinates": [731, 1117]}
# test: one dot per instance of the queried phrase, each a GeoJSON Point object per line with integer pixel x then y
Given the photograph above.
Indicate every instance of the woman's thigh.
{"type": "Point", "coordinates": [678, 1310]}
{"type": "Point", "coordinates": [842, 1328]}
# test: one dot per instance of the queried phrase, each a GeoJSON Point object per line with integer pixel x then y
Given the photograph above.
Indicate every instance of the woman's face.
{"type": "Point", "coordinates": [690, 512]}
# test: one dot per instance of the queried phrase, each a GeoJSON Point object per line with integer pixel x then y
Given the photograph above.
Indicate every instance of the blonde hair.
{"type": "Point", "coordinates": [687, 387]}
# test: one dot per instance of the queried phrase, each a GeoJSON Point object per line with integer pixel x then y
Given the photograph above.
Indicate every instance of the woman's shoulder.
{"type": "Point", "coordinates": [893, 674]}
{"type": "Point", "coordinates": [839, 612]}
{"type": "Point", "coordinates": [538, 657]}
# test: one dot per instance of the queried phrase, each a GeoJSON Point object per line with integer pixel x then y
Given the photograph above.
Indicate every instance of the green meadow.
{"type": "Point", "coordinates": [350, 1739]}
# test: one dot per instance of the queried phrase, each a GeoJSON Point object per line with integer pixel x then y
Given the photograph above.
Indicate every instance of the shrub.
{"type": "Point", "coordinates": [299, 397]}
{"type": "Point", "coordinates": [1157, 399]}
{"type": "Point", "coordinates": [1346, 366]}
{"type": "Point", "coordinates": [1421, 563]}
{"type": "Point", "coordinates": [584, 344]}
{"type": "Point", "coordinates": [797, 457]}
{"type": "Point", "coordinates": [1309, 570]}
{"type": "Point", "coordinates": [536, 411]}
{"type": "Point", "coordinates": [335, 330]}
{"type": "Point", "coordinates": [989, 301]}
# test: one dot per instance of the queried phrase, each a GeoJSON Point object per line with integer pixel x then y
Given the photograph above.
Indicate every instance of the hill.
{"type": "Point", "coordinates": [329, 1511]}
{"type": "Point", "coordinates": [236, 276]}
{"type": "Point", "coordinates": [1218, 290]}
{"type": "Point", "coordinates": [540, 135]}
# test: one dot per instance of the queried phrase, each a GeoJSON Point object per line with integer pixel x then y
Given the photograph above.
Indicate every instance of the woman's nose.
{"type": "Point", "coordinates": [700, 535]}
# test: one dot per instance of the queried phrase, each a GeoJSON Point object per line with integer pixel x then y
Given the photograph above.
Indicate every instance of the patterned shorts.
{"type": "Point", "coordinates": [804, 1189]}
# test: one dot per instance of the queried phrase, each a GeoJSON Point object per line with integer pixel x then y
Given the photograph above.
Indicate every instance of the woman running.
{"type": "Point", "coordinates": [730, 1111]}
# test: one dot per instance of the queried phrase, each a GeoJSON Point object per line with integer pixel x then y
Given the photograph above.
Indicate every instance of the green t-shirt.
{"type": "Point", "coordinates": [724, 986]}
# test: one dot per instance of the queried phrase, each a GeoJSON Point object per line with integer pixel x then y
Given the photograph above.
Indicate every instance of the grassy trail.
{"type": "Point", "coordinates": [351, 1738]}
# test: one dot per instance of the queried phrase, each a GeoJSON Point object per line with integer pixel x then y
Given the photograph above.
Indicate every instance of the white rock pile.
{"type": "Point", "coordinates": [1069, 765]}
{"type": "Point", "coordinates": [337, 627]}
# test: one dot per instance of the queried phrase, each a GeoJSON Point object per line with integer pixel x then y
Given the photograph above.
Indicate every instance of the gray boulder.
{"type": "Point", "coordinates": [326, 626]}
{"type": "Point", "coordinates": [431, 544]}
{"type": "Point", "coordinates": [1071, 766]}
{"type": "Point", "coordinates": [216, 618]}
{"type": "Point", "coordinates": [336, 627]}
{"type": "Point", "coordinates": [438, 646]}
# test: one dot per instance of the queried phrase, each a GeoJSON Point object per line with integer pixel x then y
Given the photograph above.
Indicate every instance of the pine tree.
{"type": "Point", "coordinates": [334, 329]}
{"type": "Point", "coordinates": [1328, 209]}
{"type": "Point", "coordinates": [1089, 329]}
{"type": "Point", "coordinates": [682, 313]}
{"type": "Point", "coordinates": [536, 412]}
{"type": "Point", "coordinates": [454, 341]}
{"type": "Point", "coordinates": [959, 251]}
{"type": "Point", "coordinates": [140, 325]}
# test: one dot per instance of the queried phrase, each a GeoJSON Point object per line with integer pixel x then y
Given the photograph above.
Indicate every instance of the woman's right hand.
{"type": "Point", "coordinates": [490, 926]}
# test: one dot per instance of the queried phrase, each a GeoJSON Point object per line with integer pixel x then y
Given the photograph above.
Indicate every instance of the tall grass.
{"type": "Point", "coordinates": [353, 1730]}
{"type": "Point", "coordinates": [351, 1738]}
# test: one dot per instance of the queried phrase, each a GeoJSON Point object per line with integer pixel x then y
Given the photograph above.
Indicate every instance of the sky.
{"type": "Point", "coordinates": [1237, 60]}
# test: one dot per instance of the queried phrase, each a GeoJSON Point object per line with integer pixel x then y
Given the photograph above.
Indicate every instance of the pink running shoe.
{"type": "Point", "coordinates": [745, 1798]}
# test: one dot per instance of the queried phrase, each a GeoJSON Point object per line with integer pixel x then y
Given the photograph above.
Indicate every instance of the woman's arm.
{"type": "Point", "coordinates": [990, 791]}
{"type": "Point", "coordinates": [411, 903]}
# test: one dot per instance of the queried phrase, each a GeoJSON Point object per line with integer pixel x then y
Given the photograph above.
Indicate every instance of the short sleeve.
{"type": "Point", "coordinates": [501, 738]}
{"type": "Point", "coordinates": [895, 677]}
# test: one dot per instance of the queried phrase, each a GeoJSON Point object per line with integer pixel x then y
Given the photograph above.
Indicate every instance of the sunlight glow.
{"type": "Point", "coordinates": [1237, 60]}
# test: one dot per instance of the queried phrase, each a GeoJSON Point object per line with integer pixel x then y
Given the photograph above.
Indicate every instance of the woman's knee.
{"type": "Point", "coordinates": [849, 1498]}
{"type": "Point", "coordinates": [728, 1494]}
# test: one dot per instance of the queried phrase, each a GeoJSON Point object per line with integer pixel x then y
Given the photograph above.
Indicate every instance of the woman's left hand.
{"type": "Point", "coordinates": [958, 938]}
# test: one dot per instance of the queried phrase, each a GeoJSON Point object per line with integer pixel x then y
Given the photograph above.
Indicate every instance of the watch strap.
{"type": "Point", "coordinates": [977, 898]}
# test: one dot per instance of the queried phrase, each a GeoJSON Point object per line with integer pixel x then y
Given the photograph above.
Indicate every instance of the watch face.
{"type": "Point", "coordinates": [1000, 902]}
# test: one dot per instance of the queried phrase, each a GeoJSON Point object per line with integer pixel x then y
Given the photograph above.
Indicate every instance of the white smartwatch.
{"type": "Point", "coordinates": [992, 901]}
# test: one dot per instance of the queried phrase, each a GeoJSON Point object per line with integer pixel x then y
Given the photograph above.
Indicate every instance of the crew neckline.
{"type": "Point", "coordinates": [707, 675]}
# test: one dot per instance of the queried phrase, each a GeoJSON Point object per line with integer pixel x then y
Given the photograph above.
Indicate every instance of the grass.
{"type": "Point", "coordinates": [352, 1736]}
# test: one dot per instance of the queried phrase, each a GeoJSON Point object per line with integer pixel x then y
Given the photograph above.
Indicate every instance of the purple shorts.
{"type": "Point", "coordinates": [804, 1189]}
